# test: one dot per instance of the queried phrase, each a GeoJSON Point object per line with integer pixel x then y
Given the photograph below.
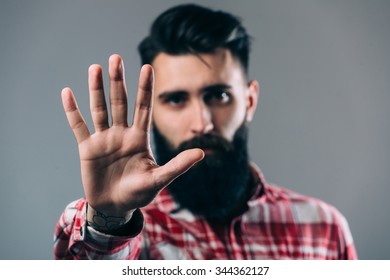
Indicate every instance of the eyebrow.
{"type": "Point", "coordinates": [168, 94]}
{"type": "Point", "coordinates": [210, 88]}
{"type": "Point", "coordinates": [216, 87]}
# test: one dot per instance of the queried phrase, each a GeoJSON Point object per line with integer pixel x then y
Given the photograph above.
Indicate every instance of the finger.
{"type": "Point", "coordinates": [177, 166]}
{"type": "Point", "coordinates": [143, 104]}
{"type": "Point", "coordinates": [118, 94]}
{"type": "Point", "coordinates": [75, 119]}
{"type": "Point", "coordinates": [96, 96]}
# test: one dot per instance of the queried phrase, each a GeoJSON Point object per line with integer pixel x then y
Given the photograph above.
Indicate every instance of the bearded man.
{"type": "Point", "coordinates": [200, 196]}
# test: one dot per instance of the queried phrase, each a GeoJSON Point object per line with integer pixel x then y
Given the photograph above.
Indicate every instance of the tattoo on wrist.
{"type": "Point", "coordinates": [104, 223]}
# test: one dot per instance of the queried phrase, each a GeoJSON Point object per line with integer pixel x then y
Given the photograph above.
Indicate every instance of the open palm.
{"type": "Point", "coordinates": [119, 172]}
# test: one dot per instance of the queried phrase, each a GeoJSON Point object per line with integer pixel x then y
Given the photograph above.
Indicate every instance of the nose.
{"type": "Point", "coordinates": [201, 119]}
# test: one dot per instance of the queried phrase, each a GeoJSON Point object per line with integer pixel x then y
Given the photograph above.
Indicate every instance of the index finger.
{"type": "Point", "coordinates": [143, 103]}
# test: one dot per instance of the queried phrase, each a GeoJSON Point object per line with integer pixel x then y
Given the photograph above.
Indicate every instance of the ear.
{"type": "Point", "coordinates": [252, 99]}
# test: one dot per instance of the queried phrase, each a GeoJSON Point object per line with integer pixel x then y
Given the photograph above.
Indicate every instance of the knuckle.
{"type": "Point", "coordinates": [76, 125]}
{"type": "Point", "coordinates": [143, 106]}
{"type": "Point", "coordinates": [100, 108]}
{"type": "Point", "coordinates": [121, 102]}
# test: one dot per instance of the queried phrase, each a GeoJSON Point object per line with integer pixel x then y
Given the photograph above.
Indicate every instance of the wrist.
{"type": "Point", "coordinates": [107, 222]}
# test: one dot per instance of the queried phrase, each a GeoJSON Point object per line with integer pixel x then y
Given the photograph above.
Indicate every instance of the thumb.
{"type": "Point", "coordinates": [177, 166]}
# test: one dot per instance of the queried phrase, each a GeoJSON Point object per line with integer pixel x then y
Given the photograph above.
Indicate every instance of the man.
{"type": "Point", "coordinates": [218, 204]}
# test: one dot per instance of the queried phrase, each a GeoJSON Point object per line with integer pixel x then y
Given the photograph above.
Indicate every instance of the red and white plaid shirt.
{"type": "Point", "coordinates": [279, 224]}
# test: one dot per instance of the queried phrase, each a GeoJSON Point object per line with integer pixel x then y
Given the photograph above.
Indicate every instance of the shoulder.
{"type": "Point", "coordinates": [287, 204]}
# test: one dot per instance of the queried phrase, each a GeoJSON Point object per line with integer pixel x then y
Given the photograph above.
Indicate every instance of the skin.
{"type": "Point", "coordinates": [119, 172]}
{"type": "Point", "coordinates": [208, 94]}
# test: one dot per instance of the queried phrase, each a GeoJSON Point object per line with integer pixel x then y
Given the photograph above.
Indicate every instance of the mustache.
{"type": "Point", "coordinates": [207, 141]}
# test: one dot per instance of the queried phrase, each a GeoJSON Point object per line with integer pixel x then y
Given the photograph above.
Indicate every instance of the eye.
{"type": "Point", "coordinates": [217, 98]}
{"type": "Point", "coordinates": [175, 100]}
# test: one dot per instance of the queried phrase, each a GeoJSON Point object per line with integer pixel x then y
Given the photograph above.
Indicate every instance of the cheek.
{"type": "Point", "coordinates": [228, 120]}
{"type": "Point", "coordinates": [169, 126]}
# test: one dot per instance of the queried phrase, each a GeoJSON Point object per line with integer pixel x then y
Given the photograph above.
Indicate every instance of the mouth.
{"type": "Point", "coordinates": [208, 151]}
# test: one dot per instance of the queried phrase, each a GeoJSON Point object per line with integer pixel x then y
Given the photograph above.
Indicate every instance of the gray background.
{"type": "Point", "coordinates": [321, 127]}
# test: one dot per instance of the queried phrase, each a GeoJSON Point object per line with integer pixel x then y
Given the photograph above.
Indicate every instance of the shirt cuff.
{"type": "Point", "coordinates": [102, 241]}
{"type": "Point", "coordinates": [131, 229]}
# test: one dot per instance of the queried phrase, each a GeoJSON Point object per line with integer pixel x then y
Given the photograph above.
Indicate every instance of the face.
{"type": "Point", "coordinates": [201, 94]}
{"type": "Point", "coordinates": [204, 101]}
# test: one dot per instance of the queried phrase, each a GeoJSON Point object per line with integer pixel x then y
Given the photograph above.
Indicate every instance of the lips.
{"type": "Point", "coordinates": [208, 151]}
{"type": "Point", "coordinates": [210, 144]}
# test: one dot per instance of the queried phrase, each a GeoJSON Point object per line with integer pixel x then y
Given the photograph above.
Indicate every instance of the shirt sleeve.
{"type": "Point", "coordinates": [347, 250]}
{"type": "Point", "coordinates": [74, 239]}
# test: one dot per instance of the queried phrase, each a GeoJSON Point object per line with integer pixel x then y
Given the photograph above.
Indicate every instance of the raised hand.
{"type": "Point", "coordinates": [119, 172]}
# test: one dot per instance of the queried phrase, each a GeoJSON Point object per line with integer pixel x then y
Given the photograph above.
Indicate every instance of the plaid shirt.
{"type": "Point", "coordinates": [279, 224]}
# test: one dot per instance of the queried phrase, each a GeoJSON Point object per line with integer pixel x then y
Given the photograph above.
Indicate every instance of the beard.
{"type": "Point", "coordinates": [218, 187]}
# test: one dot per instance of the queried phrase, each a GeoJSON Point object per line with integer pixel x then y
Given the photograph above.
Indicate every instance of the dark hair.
{"type": "Point", "coordinates": [194, 29]}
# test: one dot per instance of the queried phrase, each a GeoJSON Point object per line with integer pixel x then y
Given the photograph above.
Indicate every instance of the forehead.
{"type": "Point", "coordinates": [196, 70]}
